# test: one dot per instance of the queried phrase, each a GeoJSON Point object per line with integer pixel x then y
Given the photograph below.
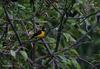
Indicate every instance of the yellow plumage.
{"type": "Point", "coordinates": [42, 35]}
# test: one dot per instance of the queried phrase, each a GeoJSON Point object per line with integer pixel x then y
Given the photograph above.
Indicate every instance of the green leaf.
{"type": "Point", "coordinates": [1, 45]}
{"type": "Point", "coordinates": [66, 63]}
{"type": "Point", "coordinates": [84, 32]}
{"type": "Point", "coordinates": [75, 63]}
{"type": "Point", "coordinates": [69, 37]}
{"type": "Point", "coordinates": [24, 54]}
{"type": "Point", "coordinates": [73, 52]}
{"type": "Point", "coordinates": [13, 53]}
{"type": "Point", "coordinates": [63, 58]}
{"type": "Point", "coordinates": [50, 40]}
{"type": "Point", "coordinates": [21, 6]}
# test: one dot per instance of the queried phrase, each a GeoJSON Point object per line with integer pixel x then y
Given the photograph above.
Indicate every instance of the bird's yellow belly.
{"type": "Point", "coordinates": [42, 35]}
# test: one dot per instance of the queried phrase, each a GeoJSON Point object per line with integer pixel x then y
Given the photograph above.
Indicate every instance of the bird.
{"type": "Point", "coordinates": [39, 34]}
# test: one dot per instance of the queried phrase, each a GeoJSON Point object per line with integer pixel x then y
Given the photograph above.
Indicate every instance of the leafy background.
{"type": "Point", "coordinates": [72, 38]}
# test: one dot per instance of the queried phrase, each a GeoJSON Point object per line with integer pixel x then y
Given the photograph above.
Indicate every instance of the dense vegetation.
{"type": "Point", "coordinates": [72, 39]}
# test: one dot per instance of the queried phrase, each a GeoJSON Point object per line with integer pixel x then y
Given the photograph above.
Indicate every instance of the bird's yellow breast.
{"type": "Point", "coordinates": [42, 35]}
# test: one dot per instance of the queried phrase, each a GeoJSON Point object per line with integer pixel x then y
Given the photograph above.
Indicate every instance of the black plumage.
{"type": "Point", "coordinates": [37, 33]}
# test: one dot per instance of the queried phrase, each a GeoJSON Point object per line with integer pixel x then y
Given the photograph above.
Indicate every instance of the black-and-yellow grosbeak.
{"type": "Point", "coordinates": [39, 34]}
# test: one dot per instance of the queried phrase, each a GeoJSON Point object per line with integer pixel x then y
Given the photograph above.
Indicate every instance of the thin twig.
{"type": "Point", "coordinates": [78, 42]}
{"type": "Point", "coordinates": [10, 22]}
{"type": "Point", "coordinates": [47, 47]}
{"type": "Point", "coordinates": [59, 32]}
{"type": "Point", "coordinates": [93, 66]}
{"type": "Point", "coordinates": [89, 16]}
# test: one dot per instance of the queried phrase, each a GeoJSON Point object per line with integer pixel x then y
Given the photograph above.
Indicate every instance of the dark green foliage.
{"type": "Point", "coordinates": [72, 38]}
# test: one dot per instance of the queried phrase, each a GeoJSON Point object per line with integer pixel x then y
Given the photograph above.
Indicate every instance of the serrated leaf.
{"type": "Point", "coordinates": [24, 54]}
{"type": "Point", "coordinates": [13, 53]}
